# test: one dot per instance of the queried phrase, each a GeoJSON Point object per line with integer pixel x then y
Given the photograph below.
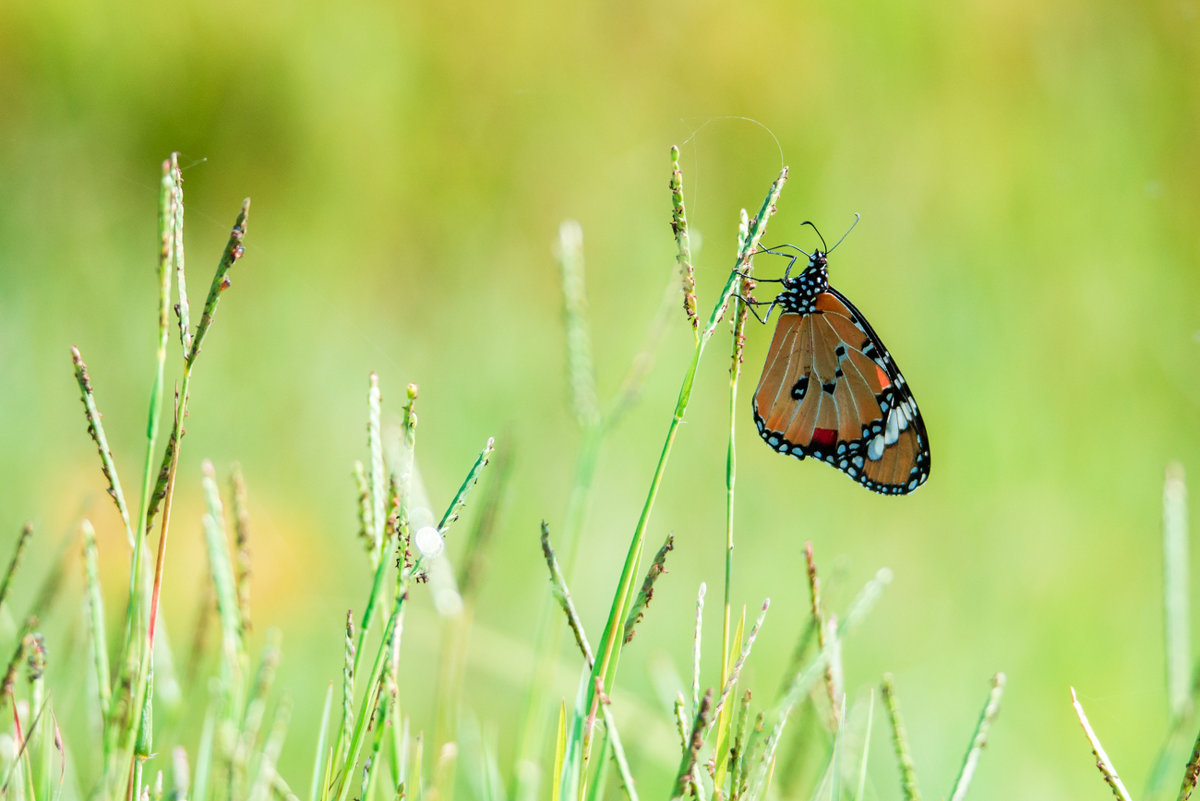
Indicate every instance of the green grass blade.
{"type": "Point", "coordinates": [696, 651]}
{"type": "Point", "coordinates": [1107, 769]}
{"type": "Point", "coordinates": [241, 541]}
{"type": "Point", "coordinates": [979, 740]}
{"type": "Point", "coordinates": [866, 749]}
{"type": "Point", "coordinates": [683, 247]}
{"type": "Point", "coordinates": [609, 644]}
{"type": "Point", "coordinates": [204, 754]}
{"type": "Point", "coordinates": [558, 585]}
{"type": "Point", "coordinates": [646, 593]}
{"type": "Point", "coordinates": [737, 749]}
{"type": "Point", "coordinates": [460, 497]}
{"type": "Point", "coordinates": [908, 772]}
{"type": "Point", "coordinates": [378, 485]}
{"type": "Point", "coordinates": [738, 341]}
{"type": "Point", "coordinates": [221, 281]}
{"type": "Point", "coordinates": [349, 666]}
{"type": "Point", "coordinates": [182, 309]}
{"type": "Point", "coordinates": [96, 431]}
{"type": "Point", "coordinates": [319, 778]}
{"type": "Point", "coordinates": [221, 569]}
{"type": "Point", "coordinates": [688, 778]}
{"type": "Point", "coordinates": [22, 541]}
{"type": "Point", "coordinates": [560, 747]}
{"type": "Point", "coordinates": [581, 377]}
{"type": "Point", "coordinates": [736, 671]}
{"type": "Point", "coordinates": [264, 775]}
{"type": "Point", "coordinates": [365, 522]}
{"type": "Point", "coordinates": [1176, 593]}
{"type": "Point", "coordinates": [99, 638]}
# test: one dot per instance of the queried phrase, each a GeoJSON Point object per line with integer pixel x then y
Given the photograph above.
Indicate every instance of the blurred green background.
{"type": "Point", "coordinates": [1029, 182]}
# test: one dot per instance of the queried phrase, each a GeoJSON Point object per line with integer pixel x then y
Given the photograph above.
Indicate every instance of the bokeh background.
{"type": "Point", "coordinates": [1029, 182]}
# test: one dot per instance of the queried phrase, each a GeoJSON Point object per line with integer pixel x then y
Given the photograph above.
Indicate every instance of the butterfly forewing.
{"type": "Point", "coordinates": [830, 390]}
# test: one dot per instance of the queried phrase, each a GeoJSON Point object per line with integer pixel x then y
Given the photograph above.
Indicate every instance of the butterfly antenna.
{"type": "Point", "coordinates": [774, 250]}
{"type": "Point", "coordinates": [857, 217]}
{"type": "Point", "coordinates": [813, 225]}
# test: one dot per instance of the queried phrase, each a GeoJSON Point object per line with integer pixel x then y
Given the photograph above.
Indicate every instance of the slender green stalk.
{"type": "Point", "coordinates": [136, 652]}
{"type": "Point", "coordinates": [372, 515]}
{"type": "Point", "coordinates": [737, 748]}
{"type": "Point", "coordinates": [378, 486]}
{"type": "Point", "coordinates": [265, 772]}
{"type": "Point", "coordinates": [723, 720]}
{"type": "Point", "coordinates": [221, 567]}
{"type": "Point", "coordinates": [604, 673]}
{"type": "Point", "coordinates": [682, 726]}
{"type": "Point", "coordinates": [581, 378]}
{"type": "Point", "coordinates": [204, 755]}
{"type": "Point", "coordinates": [560, 747]}
{"type": "Point", "coordinates": [866, 751]}
{"type": "Point", "coordinates": [563, 594]}
{"type": "Point", "coordinates": [179, 773]}
{"type": "Point", "coordinates": [182, 308]}
{"type": "Point", "coordinates": [365, 524]}
{"type": "Point", "coordinates": [418, 786]}
{"type": "Point", "coordinates": [370, 700]}
{"type": "Point", "coordinates": [22, 541]}
{"type": "Point", "coordinates": [979, 740]}
{"type": "Point", "coordinates": [40, 739]}
{"type": "Point", "coordinates": [241, 529]}
{"type": "Point", "coordinates": [558, 585]}
{"type": "Point", "coordinates": [736, 669]}
{"type": "Point", "coordinates": [1107, 770]}
{"type": "Point", "coordinates": [349, 661]}
{"type": "Point", "coordinates": [318, 775]}
{"type": "Point", "coordinates": [1175, 593]}
{"type": "Point", "coordinates": [593, 428]}
{"type": "Point", "coordinates": [738, 342]}
{"type": "Point", "coordinates": [687, 780]}
{"type": "Point", "coordinates": [1190, 773]}
{"type": "Point", "coordinates": [822, 628]}
{"type": "Point", "coordinates": [908, 772]}
{"type": "Point", "coordinates": [99, 638]}
{"type": "Point", "coordinates": [696, 646]}
{"type": "Point", "coordinates": [255, 712]}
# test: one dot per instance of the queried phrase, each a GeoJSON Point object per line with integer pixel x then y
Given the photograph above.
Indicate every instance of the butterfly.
{"type": "Point", "coordinates": [831, 391]}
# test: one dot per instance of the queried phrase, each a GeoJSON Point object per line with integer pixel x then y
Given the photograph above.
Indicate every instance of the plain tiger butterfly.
{"type": "Point", "coordinates": [831, 391]}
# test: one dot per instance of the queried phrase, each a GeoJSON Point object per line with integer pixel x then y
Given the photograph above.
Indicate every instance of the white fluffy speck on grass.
{"type": "Point", "coordinates": [429, 542]}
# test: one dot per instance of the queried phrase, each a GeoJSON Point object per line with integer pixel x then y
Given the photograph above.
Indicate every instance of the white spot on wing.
{"type": "Point", "coordinates": [875, 448]}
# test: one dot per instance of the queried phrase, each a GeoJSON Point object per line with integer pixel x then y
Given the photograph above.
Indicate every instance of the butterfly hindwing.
{"type": "Point", "coordinates": [831, 391]}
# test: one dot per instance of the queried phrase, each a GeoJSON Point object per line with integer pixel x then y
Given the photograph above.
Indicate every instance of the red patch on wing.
{"type": "Point", "coordinates": [825, 437]}
{"type": "Point", "coordinates": [884, 381]}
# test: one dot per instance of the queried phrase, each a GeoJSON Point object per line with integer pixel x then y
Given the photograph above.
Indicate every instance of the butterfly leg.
{"type": "Point", "coordinates": [750, 304]}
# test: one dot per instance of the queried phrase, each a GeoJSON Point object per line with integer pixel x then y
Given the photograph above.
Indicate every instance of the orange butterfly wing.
{"type": "Point", "coordinates": [831, 391]}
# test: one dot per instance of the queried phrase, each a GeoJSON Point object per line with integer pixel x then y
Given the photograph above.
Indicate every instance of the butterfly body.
{"type": "Point", "coordinates": [831, 391]}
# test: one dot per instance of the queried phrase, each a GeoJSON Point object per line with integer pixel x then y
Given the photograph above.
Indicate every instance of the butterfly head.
{"type": "Point", "coordinates": [801, 291]}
